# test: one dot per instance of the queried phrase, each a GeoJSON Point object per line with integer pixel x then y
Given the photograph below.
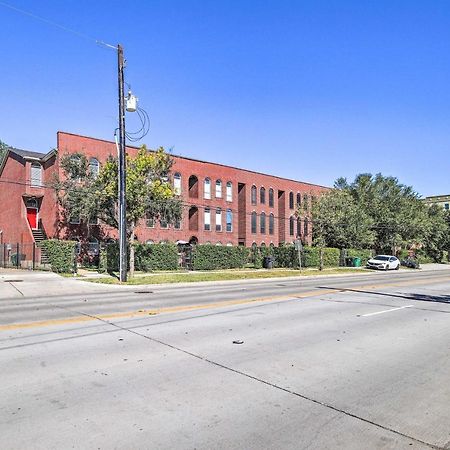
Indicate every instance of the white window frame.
{"type": "Point", "coordinates": [207, 219]}
{"type": "Point", "coordinates": [229, 192]}
{"type": "Point", "coordinates": [207, 189]}
{"type": "Point", "coordinates": [229, 214]}
{"type": "Point", "coordinates": [218, 188]}
{"type": "Point", "coordinates": [219, 219]}
{"type": "Point", "coordinates": [36, 174]}
{"type": "Point", "coordinates": [177, 183]}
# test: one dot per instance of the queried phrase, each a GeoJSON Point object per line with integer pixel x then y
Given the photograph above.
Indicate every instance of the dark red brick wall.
{"type": "Point", "coordinates": [16, 226]}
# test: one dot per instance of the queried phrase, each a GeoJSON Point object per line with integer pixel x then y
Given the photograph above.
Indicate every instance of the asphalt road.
{"type": "Point", "coordinates": [356, 362]}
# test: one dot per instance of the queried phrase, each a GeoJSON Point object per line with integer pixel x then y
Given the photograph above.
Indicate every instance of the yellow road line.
{"type": "Point", "coordinates": [175, 309]}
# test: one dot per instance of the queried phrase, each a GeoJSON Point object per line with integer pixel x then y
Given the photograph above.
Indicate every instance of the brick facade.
{"type": "Point", "coordinates": [15, 192]}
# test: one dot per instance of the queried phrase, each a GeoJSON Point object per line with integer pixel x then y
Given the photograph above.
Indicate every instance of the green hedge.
{"type": "Point", "coordinates": [212, 257]}
{"type": "Point", "coordinates": [150, 257]}
{"type": "Point", "coordinates": [286, 256]}
{"type": "Point", "coordinates": [147, 257]}
{"type": "Point", "coordinates": [61, 255]}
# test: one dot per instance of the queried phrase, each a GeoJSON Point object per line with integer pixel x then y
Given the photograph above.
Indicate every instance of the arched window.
{"type": "Point", "coordinates": [262, 223]}
{"type": "Point", "coordinates": [94, 167]}
{"type": "Point", "coordinates": [218, 219]}
{"type": "Point", "coordinates": [305, 228]}
{"type": "Point", "coordinates": [253, 222]}
{"type": "Point", "coordinates": [271, 197]}
{"type": "Point", "coordinates": [193, 218]}
{"type": "Point", "coordinates": [32, 203]}
{"type": "Point", "coordinates": [262, 196]}
{"type": "Point", "coordinates": [218, 244]}
{"type": "Point", "coordinates": [229, 220]}
{"type": "Point", "coordinates": [291, 200]}
{"type": "Point", "coordinates": [253, 195]}
{"type": "Point", "coordinates": [207, 221]}
{"type": "Point", "coordinates": [229, 192]}
{"type": "Point", "coordinates": [177, 183]}
{"type": "Point", "coordinates": [299, 227]}
{"type": "Point", "coordinates": [263, 245]}
{"type": "Point", "coordinates": [36, 174]}
{"type": "Point", "coordinates": [229, 244]}
{"type": "Point", "coordinates": [207, 188]}
{"type": "Point", "coordinates": [193, 186]}
{"type": "Point", "coordinates": [150, 242]}
{"type": "Point", "coordinates": [271, 224]}
{"type": "Point", "coordinates": [291, 225]}
{"type": "Point", "coordinates": [299, 199]}
{"type": "Point", "coordinates": [218, 189]}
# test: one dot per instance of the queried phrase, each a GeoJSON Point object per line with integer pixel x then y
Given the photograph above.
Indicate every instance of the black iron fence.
{"type": "Point", "coordinates": [23, 256]}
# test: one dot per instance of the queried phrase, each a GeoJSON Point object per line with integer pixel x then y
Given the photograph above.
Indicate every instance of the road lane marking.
{"type": "Point", "coordinates": [387, 310]}
{"type": "Point", "coordinates": [175, 309]}
{"type": "Point", "coordinates": [169, 309]}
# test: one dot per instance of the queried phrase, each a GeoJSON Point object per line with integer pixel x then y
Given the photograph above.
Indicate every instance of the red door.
{"type": "Point", "coordinates": [32, 217]}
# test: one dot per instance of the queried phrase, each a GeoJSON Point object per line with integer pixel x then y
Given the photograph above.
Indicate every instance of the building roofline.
{"type": "Point", "coordinates": [203, 161]}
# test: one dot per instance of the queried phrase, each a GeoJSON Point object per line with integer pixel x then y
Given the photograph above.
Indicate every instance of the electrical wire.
{"type": "Point", "coordinates": [135, 136]}
{"type": "Point", "coordinates": [57, 25]}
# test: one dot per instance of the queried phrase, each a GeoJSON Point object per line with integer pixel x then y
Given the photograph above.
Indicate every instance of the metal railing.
{"type": "Point", "coordinates": [23, 256]}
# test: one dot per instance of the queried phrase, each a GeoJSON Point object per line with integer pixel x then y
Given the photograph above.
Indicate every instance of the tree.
{"type": "Point", "coordinates": [398, 215]}
{"type": "Point", "coordinates": [3, 149]}
{"type": "Point", "coordinates": [339, 222]}
{"type": "Point", "coordinates": [436, 238]}
{"type": "Point", "coordinates": [83, 193]}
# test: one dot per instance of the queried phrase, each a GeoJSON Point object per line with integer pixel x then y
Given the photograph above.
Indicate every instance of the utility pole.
{"type": "Point", "coordinates": [122, 171]}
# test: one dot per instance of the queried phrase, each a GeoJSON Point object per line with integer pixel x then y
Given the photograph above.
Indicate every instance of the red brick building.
{"type": "Point", "coordinates": [222, 204]}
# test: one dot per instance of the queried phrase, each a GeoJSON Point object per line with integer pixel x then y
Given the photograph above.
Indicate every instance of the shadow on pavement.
{"type": "Point", "coordinates": [407, 296]}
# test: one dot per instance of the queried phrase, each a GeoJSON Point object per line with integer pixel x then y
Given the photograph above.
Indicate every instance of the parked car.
{"type": "Point", "coordinates": [383, 262]}
{"type": "Point", "coordinates": [411, 262]}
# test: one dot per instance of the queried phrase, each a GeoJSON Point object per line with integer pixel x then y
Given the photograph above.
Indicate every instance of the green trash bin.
{"type": "Point", "coordinates": [350, 262]}
{"type": "Point", "coordinates": [356, 262]}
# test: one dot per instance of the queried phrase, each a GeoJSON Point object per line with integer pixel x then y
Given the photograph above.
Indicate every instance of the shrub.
{"type": "Point", "coordinates": [287, 256]}
{"type": "Point", "coordinates": [61, 255]}
{"type": "Point", "coordinates": [150, 257]}
{"type": "Point", "coordinates": [211, 257]}
{"type": "Point", "coordinates": [147, 257]}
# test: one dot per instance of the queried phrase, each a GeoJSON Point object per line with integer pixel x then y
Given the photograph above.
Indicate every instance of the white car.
{"type": "Point", "coordinates": [383, 262]}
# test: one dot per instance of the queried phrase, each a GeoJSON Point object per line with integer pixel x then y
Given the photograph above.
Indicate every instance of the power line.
{"type": "Point", "coordinates": [57, 25]}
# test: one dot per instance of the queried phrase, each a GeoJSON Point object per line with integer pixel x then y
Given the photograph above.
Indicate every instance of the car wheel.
{"type": "Point", "coordinates": [387, 267]}
{"type": "Point", "coordinates": [398, 267]}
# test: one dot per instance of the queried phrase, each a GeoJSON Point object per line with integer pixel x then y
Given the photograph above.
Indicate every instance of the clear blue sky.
{"type": "Point", "coordinates": [310, 90]}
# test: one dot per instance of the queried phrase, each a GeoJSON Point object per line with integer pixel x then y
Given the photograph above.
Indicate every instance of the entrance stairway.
{"type": "Point", "coordinates": [39, 236]}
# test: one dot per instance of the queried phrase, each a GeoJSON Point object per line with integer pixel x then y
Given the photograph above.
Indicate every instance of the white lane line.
{"type": "Point", "coordinates": [386, 310]}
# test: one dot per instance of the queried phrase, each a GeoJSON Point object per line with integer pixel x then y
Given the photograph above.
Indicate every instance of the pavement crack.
{"type": "Point", "coordinates": [16, 288]}
{"type": "Point", "coordinates": [268, 383]}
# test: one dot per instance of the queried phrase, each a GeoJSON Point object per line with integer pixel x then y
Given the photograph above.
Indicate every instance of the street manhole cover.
{"type": "Point", "coordinates": [13, 281]}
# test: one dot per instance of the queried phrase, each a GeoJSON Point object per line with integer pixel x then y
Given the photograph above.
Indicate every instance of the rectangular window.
{"type": "Point", "coordinates": [150, 222]}
{"type": "Point", "coordinates": [177, 225]}
{"type": "Point", "coordinates": [271, 224]}
{"type": "Point", "coordinates": [93, 221]}
{"type": "Point", "coordinates": [253, 222]}
{"type": "Point", "coordinates": [207, 219]}
{"type": "Point", "coordinates": [218, 219]}
{"type": "Point", "coordinates": [177, 184]}
{"type": "Point", "coordinates": [163, 223]}
{"type": "Point", "coordinates": [446, 206]}
{"type": "Point", "coordinates": [229, 220]}
{"type": "Point", "coordinates": [36, 174]}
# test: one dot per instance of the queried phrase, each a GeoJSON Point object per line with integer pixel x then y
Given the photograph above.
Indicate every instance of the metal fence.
{"type": "Point", "coordinates": [23, 256]}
